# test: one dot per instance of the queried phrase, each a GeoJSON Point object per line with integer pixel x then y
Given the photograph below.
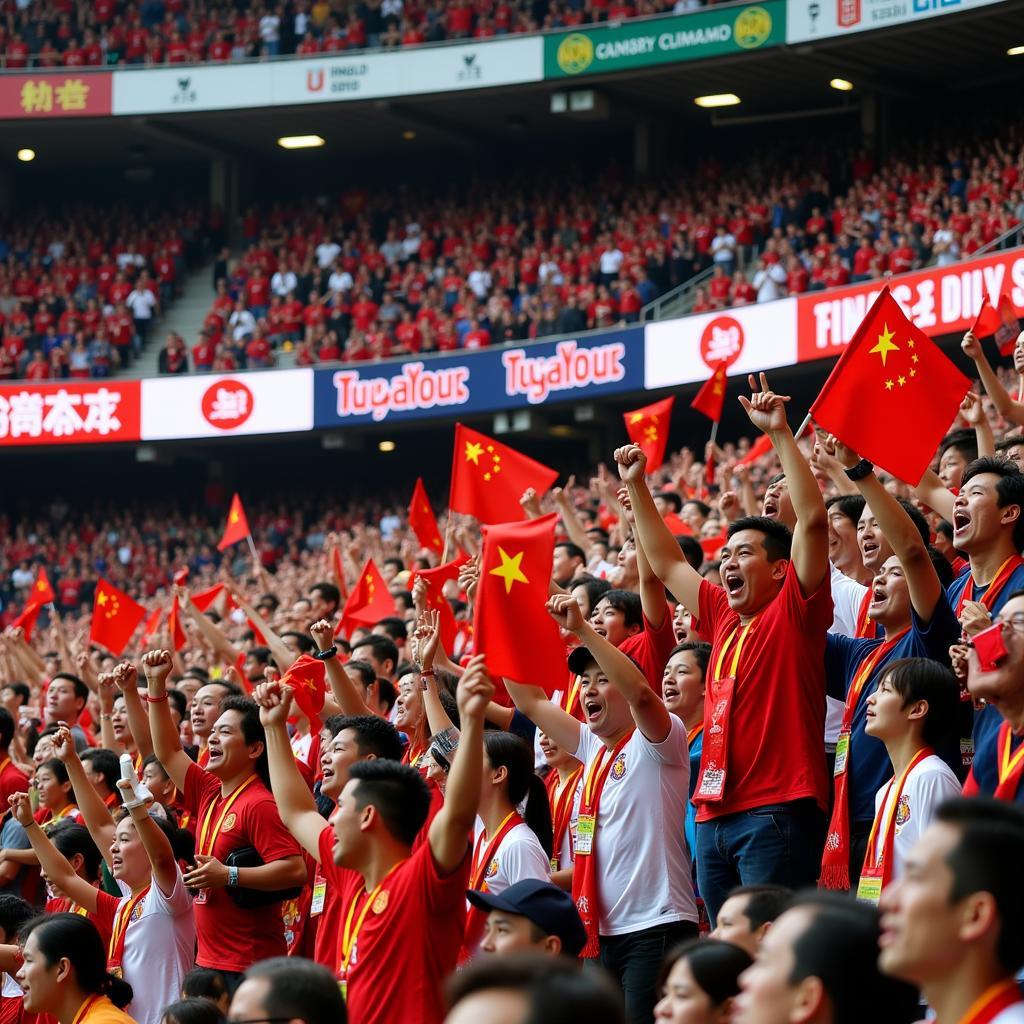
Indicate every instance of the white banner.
{"type": "Point", "coordinates": [807, 20]}
{"type": "Point", "coordinates": [748, 338]}
{"type": "Point", "coordinates": [274, 402]}
{"type": "Point", "coordinates": [407, 72]}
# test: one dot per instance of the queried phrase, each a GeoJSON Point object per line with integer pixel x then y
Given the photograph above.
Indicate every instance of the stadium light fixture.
{"type": "Point", "coordinates": [1015, 51]}
{"type": "Point", "coordinates": [26, 156]}
{"type": "Point", "coordinates": [841, 84]}
{"type": "Point", "coordinates": [408, 135]}
{"type": "Point", "coordinates": [386, 446]}
{"type": "Point", "coordinates": [300, 141]}
{"type": "Point", "coordinates": [721, 99]}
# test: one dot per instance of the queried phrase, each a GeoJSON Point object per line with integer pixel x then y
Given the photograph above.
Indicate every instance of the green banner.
{"type": "Point", "coordinates": [636, 44]}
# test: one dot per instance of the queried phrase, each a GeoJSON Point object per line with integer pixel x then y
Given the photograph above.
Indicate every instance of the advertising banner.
{"type": "Point", "coordinates": [69, 412]}
{"type": "Point", "coordinates": [68, 92]}
{"type": "Point", "coordinates": [484, 381]}
{"type": "Point", "coordinates": [807, 20]}
{"type": "Point", "coordinates": [642, 43]}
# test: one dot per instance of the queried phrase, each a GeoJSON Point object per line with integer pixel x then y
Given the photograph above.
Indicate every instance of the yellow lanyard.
{"type": "Point", "coordinates": [739, 649]}
{"type": "Point", "coordinates": [1007, 762]}
{"type": "Point", "coordinates": [350, 934]}
{"type": "Point", "coordinates": [206, 848]}
{"type": "Point", "coordinates": [122, 919]}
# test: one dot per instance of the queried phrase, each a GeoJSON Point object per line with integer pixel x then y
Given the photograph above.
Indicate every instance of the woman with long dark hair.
{"type": "Point", "coordinates": [64, 972]}
{"type": "Point", "coordinates": [698, 982]}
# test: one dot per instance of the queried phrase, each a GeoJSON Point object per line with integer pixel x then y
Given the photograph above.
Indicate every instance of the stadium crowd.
{"type": "Point", "coordinates": [298, 799]}
{"type": "Point", "coordinates": [372, 276]}
{"type": "Point", "coordinates": [96, 33]}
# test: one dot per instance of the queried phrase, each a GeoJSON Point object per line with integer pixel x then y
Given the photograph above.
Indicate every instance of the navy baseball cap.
{"type": "Point", "coordinates": [551, 909]}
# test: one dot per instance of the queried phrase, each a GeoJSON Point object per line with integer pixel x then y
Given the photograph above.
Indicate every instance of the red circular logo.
{"type": "Point", "coordinates": [227, 404]}
{"type": "Point", "coordinates": [722, 341]}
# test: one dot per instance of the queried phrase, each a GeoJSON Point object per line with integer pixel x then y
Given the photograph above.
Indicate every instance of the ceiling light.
{"type": "Point", "coordinates": [408, 135]}
{"type": "Point", "coordinates": [386, 446]}
{"type": "Point", "coordinates": [1015, 51]}
{"type": "Point", "coordinates": [722, 99]}
{"type": "Point", "coordinates": [300, 141]}
{"type": "Point", "coordinates": [841, 84]}
{"type": "Point", "coordinates": [26, 156]}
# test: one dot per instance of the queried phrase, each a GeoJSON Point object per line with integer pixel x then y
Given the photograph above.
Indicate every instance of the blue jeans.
{"type": "Point", "coordinates": [634, 960]}
{"type": "Point", "coordinates": [779, 844]}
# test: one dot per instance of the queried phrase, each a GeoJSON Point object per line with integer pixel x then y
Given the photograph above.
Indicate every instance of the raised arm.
{"type": "Point", "coordinates": [450, 829]}
{"type": "Point", "coordinates": [973, 411]}
{"type": "Point", "coordinates": [932, 492]}
{"type": "Point", "coordinates": [1005, 405]}
{"type": "Point", "coordinates": [95, 812]}
{"type": "Point", "coordinates": [570, 518]}
{"type": "Point", "coordinates": [767, 411]}
{"type": "Point", "coordinates": [652, 590]}
{"type": "Point", "coordinates": [215, 636]}
{"type": "Point", "coordinates": [154, 841]}
{"type": "Point", "coordinates": [127, 679]}
{"type": "Point", "coordinates": [649, 713]}
{"type": "Point", "coordinates": [900, 531]}
{"type": "Point", "coordinates": [295, 803]}
{"type": "Point", "coordinates": [282, 654]}
{"type": "Point", "coordinates": [166, 741]}
{"type": "Point", "coordinates": [660, 547]}
{"type": "Point", "coordinates": [343, 689]}
{"type": "Point", "coordinates": [105, 693]}
{"type": "Point", "coordinates": [51, 860]}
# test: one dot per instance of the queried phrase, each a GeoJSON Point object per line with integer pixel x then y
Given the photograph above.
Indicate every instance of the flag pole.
{"type": "Point", "coordinates": [448, 528]}
{"type": "Point", "coordinates": [803, 426]}
{"type": "Point", "coordinates": [709, 468]}
{"type": "Point", "coordinates": [252, 548]}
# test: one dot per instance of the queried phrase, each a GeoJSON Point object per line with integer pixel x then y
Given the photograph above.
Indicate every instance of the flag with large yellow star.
{"type": "Point", "coordinates": [115, 617]}
{"type": "Point", "coordinates": [511, 624]}
{"type": "Point", "coordinates": [893, 394]}
{"type": "Point", "coordinates": [435, 579]}
{"type": "Point", "coordinates": [489, 478]}
{"type": "Point", "coordinates": [369, 602]}
{"type": "Point", "coordinates": [422, 520]}
{"type": "Point", "coordinates": [648, 428]}
{"type": "Point", "coordinates": [237, 526]}
{"type": "Point", "coordinates": [710, 400]}
{"type": "Point", "coordinates": [42, 592]}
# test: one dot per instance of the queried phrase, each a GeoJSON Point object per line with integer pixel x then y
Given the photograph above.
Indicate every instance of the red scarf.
{"type": "Point", "coordinates": [584, 876]}
{"type": "Point", "coordinates": [122, 920]}
{"type": "Point", "coordinates": [995, 588]}
{"type": "Point", "coordinates": [835, 861]}
{"type": "Point", "coordinates": [483, 857]}
{"type": "Point", "coordinates": [1009, 765]}
{"type": "Point", "coordinates": [992, 1002]}
{"type": "Point", "coordinates": [561, 798]}
{"type": "Point", "coordinates": [866, 628]}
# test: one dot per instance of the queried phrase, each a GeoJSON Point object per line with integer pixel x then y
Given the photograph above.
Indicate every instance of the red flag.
{"type": "Point", "coordinates": [257, 633]}
{"type": "Point", "coordinates": [648, 427]}
{"type": "Point", "coordinates": [42, 592]}
{"type": "Point", "coordinates": [712, 545]}
{"type": "Point", "coordinates": [307, 678]}
{"type": "Point", "coordinates": [1000, 321]}
{"type": "Point", "coordinates": [180, 578]}
{"type": "Point", "coordinates": [422, 519]}
{"type": "Point", "coordinates": [178, 638]}
{"type": "Point", "coordinates": [205, 598]}
{"type": "Point", "coordinates": [370, 600]}
{"type": "Point", "coordinates": [710, 400]}
{"type": "Point", "coordinates": [488, 478]}
{"type": "Point", "coordinates": [27, 619]}
{"type": "Point", "coordinates": [762, 446]}
{"type": "Point", "coordinates": [339, 572]}
{"type": "Point", "coordinates": [893, 394]}
{"type": "Point", "coordinates": [237, 527]}
{"type": "Point", "coordinates": [511, 625]}
{"type": "Point", "coordinates": [115, 617]}
{"type": "Point", "coordinates": [435, 580]}
{"type": "Point", "coordinates": [152, 625]}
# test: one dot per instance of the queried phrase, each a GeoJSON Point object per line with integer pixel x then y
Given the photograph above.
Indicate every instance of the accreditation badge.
{"type": "Point", "coordinates": [586, 826]}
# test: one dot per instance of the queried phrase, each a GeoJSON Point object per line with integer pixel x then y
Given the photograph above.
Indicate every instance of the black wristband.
{"type": "Point", "coordinates": [860, 471]}
{"type": "Point", "coordinates": [326, 655]}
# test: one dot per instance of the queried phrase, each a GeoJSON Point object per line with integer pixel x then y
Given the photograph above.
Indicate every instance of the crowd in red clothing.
{"type": "Point", "coordinates": [111, 32]}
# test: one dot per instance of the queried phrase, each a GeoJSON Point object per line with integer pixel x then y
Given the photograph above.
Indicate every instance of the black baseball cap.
{"type": "Point", "coordinates": [579, 659]}
{"type": "Point", "coordinates": [551, 909]}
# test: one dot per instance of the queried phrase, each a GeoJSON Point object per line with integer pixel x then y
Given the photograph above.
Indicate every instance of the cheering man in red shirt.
{"type": "Point", "coordinates": [403, 911]}
{"type": "Point", "coordinates": [233, 810]}
{"type": "Point", "coordinates": [762, 789]}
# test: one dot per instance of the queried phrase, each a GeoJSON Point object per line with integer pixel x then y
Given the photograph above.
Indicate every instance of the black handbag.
{"type": "Point", "coordinates": [253, 899]}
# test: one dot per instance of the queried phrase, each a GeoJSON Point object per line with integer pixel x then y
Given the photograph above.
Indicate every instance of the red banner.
{"type": "Point", "coordinates": [64, 92]}
{"type": "Point", "coordinates": [70, 412]}
{"type": "Point", "coordinates": [939, 300]}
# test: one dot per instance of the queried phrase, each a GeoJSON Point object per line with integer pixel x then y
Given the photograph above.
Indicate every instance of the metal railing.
{"type": "Point", "coordinates": [1007, 240]}
{"type": "Point", "coordinates": [676, 302]}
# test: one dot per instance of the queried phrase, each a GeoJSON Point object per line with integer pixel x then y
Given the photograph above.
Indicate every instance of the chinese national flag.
{"type": "Point", "coordinates": [152, 625]}
{"type": "Point", "coordinates": [422, 519]}
{"type": "Point", "coordinates": [42, 592]}
{"type": "Point", "coordinates": [205, 598]}
{"type": "Point", "coordinates": [648, 428]}
{"type": "Point", "coordinates": [511, 625]}
{"type": "Point", "coordinates": [237, 527]}
{"type": "Point", "coordinates": [115, 617]}
{"type": "Point", "coordinates": [1001, 321]}
{"type": "Point", "coordinates": [370, 600]}
{"type": "Point", "coordinates": [710, 400]}
{"type": "Point", "coordinates": [435, 580]}
{"type": "Point", "coordinates": [307, 678]}
{"type": "Point", "coordinates": [893, 394]}
{"type": "Point", "coordinates": [27, 620]}
{"type": "Point", "coordinates": [488, 478]}
{"type": "Point", "coordinates": [178, 637]}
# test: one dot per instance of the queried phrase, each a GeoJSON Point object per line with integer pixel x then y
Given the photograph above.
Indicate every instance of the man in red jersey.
{"type": "Point", "coordinates": [400, 906]}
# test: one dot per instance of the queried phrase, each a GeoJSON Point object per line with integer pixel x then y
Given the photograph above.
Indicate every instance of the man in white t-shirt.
{"type": "Point", "coordinates": [632, 878]}
{"type": "Point", "coordinates": [144, 306]}
{"type": "Point", "coordinates": [327, 252]}
{"type": "Point", "coordinates": [770, 282]}
{"type": "Point", "coordinates": [913, 712]}
{"type": "Point", "coordinates": [952, 924]}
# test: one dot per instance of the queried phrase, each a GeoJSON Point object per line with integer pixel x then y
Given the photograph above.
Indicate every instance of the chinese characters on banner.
{"type": "Point", "coordinates": [70, 413]}
{"type": "Point", "coordinates": [67, 94]}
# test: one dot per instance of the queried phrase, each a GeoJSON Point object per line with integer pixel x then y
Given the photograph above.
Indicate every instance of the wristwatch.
{"type": "Point", "coordinates": [232, 876]}
{"type": "Point", "coordinates": [326, 655]}
{"type": "Point", "coordinates": [860, 471]}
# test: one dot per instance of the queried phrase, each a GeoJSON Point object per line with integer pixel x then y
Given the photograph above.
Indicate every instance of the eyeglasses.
{"type": "Point", "coordinates": [1014, 622]}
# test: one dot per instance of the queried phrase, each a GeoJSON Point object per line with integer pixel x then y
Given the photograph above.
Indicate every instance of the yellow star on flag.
{"type": "Point", "coordinates": [637, 417]}
{"type": "Point", "coordinates": [40, 586]}
{"type": "Point", "coordinates": [885, 345]}
{"type": "Point", "coordinates": [473, 452]}
{"type": "Point", "coordinates": [509, 569]}
{"type": "Point", "coordinates": [901, 381]}
{"type": "Point", "coordinates": [234, 516]}
{"type": "Point", "coordinates": [101, 599]}
{"type": "Point", "coordinates": [888, 385]}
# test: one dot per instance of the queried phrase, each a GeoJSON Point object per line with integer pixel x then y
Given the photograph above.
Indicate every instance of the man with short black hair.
{"type": "Point", "coordinates": [568, 563]}
{"type": "Point", "coordinates": [952, 924]}
{"type": "Point", "coordinates": [288, 988]}
{"type": "Point", "coordinates": [66, 695]}
{"type": "Point", "coordinates": [324, 600]}
{"type": "Point", "coordinates": [749, 912]}
{"type": "Point", "coordinates": [103, 769]}
{"type": "Point", "coordinates": [530, 914]}
{"type": "Point", "coordinates": [381, 652]}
